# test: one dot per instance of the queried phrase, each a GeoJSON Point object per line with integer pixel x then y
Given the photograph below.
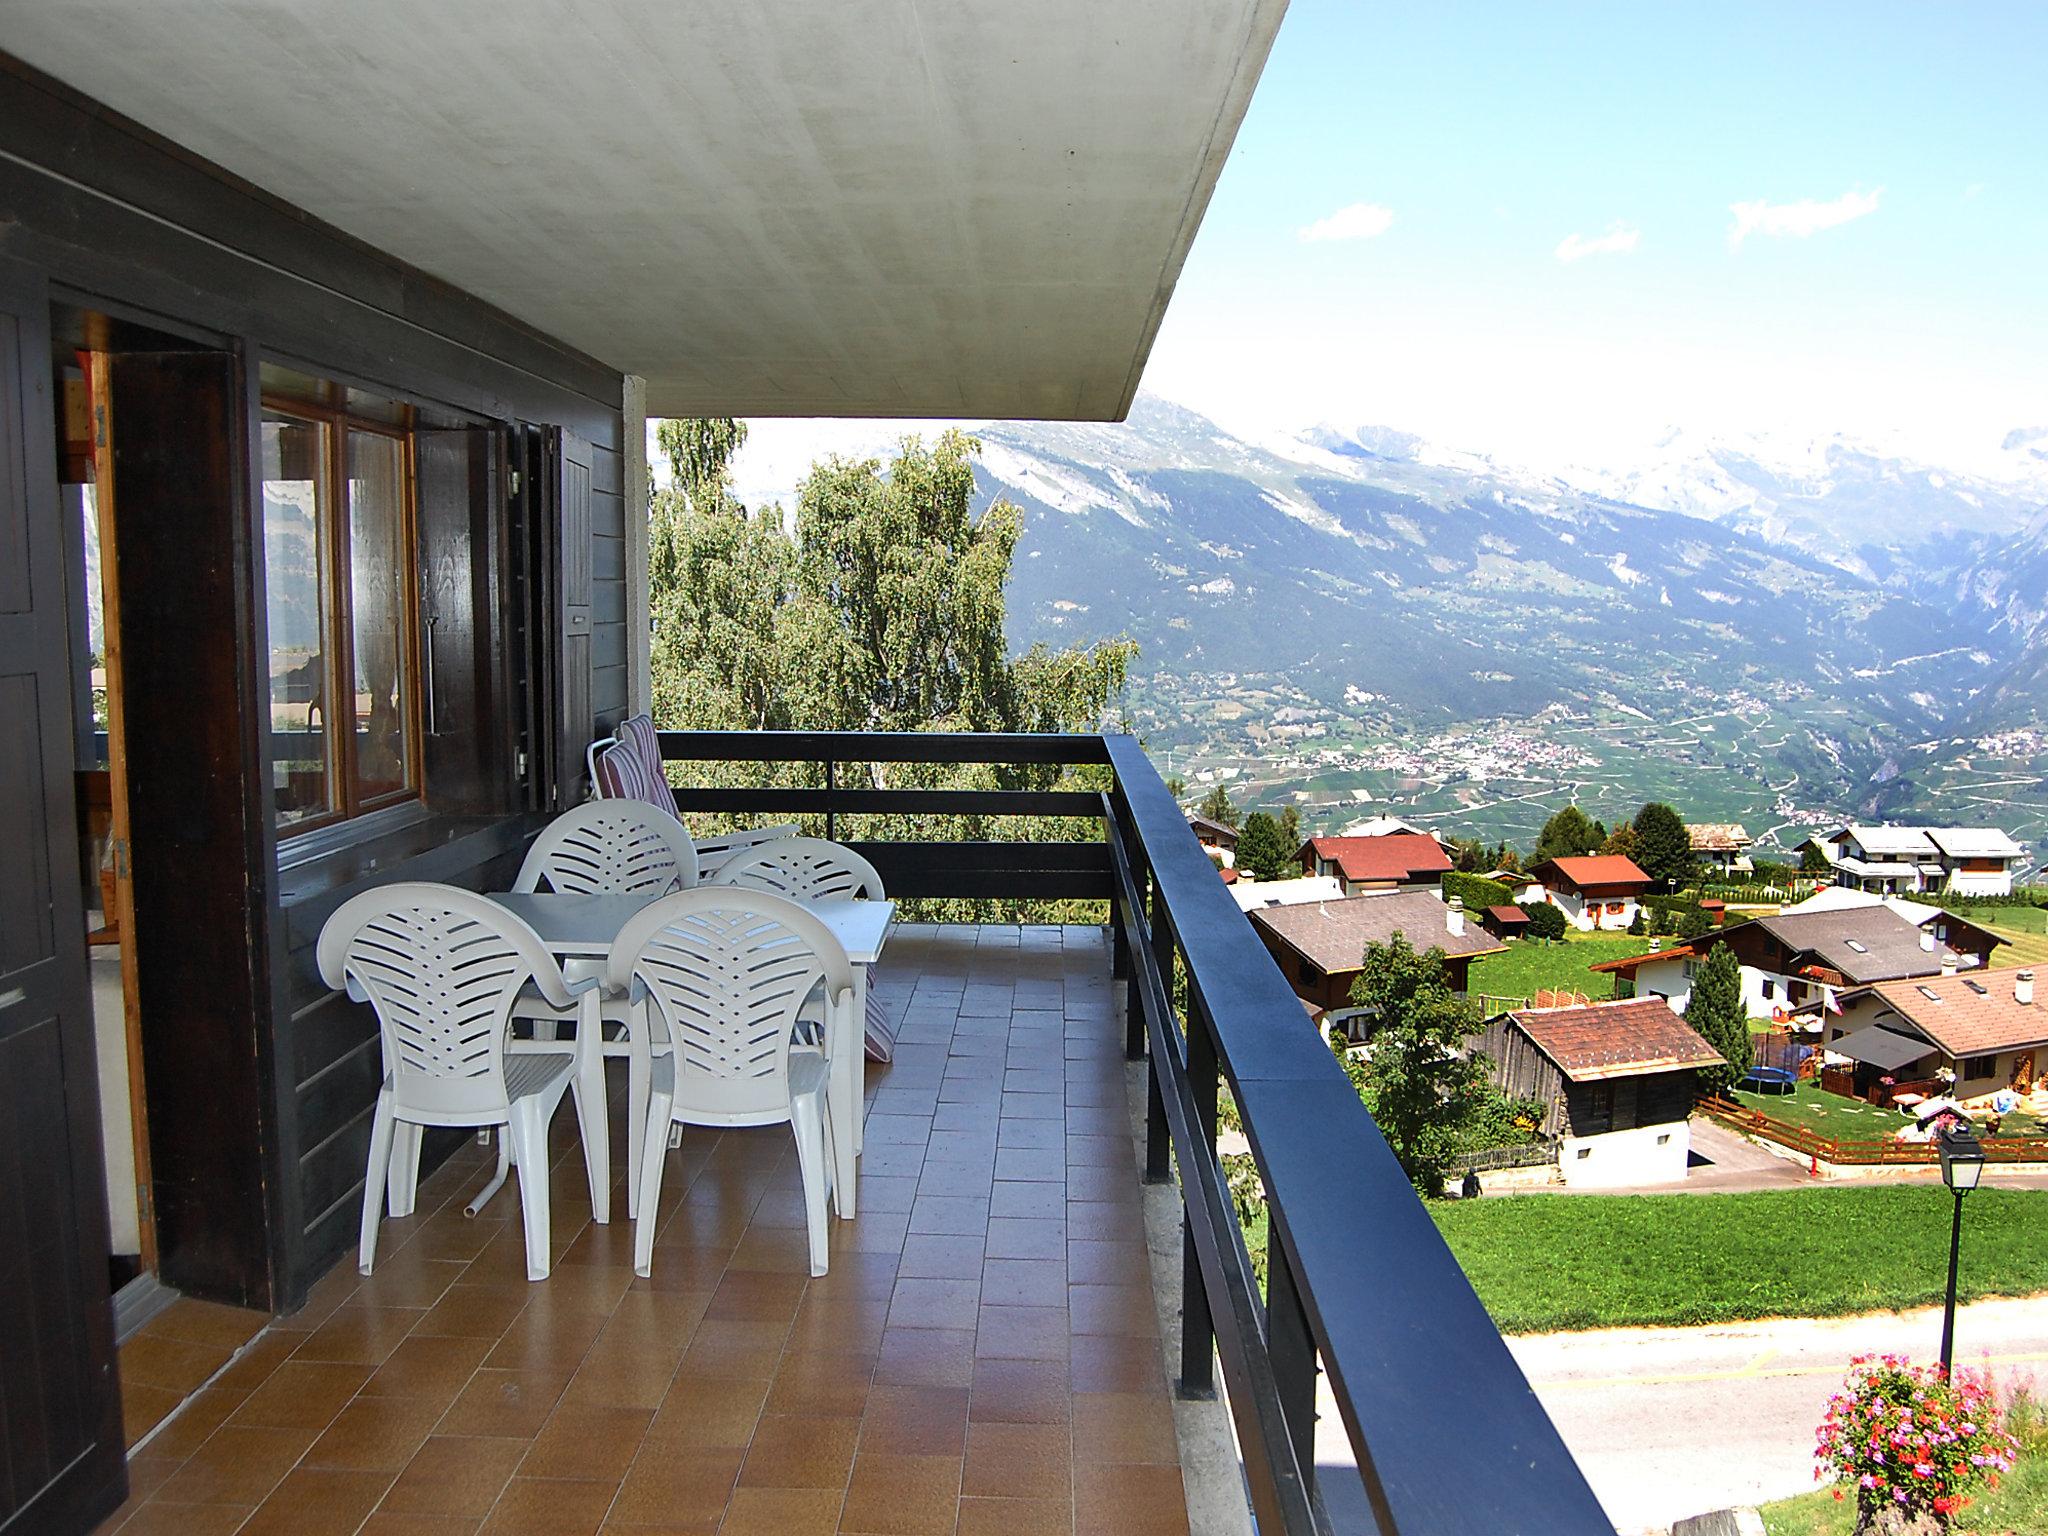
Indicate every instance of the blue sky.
{"type": "Point", "coordinates": [1890, 285]}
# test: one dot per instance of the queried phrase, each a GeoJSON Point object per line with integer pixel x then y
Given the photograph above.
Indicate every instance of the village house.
{"type": "Point", "coordinates": [1320, 948]}
{"type": "Point", "coordinates": [1795, 963]}
{"type": "Point", "coordinates": [1616, 1080]}
{"type": "Point", "coordinates": [1961, 861]}
{"type": "Point", "coordinates": [1391, 861]}
{"type": "Point", "coordinates": [1980, 1032]}
{"type": "Point", "coordinates": [1252, 894]}
{"type": "Point", "coordinates": [1600, 891]}
{"type": "Point", "coordinates": [1721, 846]}
{"type": "Point", "coordinates": [1218, 840]}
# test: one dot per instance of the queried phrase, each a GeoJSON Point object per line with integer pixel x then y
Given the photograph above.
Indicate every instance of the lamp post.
{"type": "Point", "coordinates": [1962, 1165]}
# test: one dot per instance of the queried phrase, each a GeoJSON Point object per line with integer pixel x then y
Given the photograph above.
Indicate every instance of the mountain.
{"type": "Point", "coordinates": [1301, 604]}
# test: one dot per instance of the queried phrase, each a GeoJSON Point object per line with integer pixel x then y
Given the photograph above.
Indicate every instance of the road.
{"type": "Point", "coordinates": [1670, 1422]}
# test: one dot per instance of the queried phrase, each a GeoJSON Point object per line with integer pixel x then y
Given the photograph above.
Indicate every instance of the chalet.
{"type": "Point", "coordinates": [1721, 846]}
{"type": "Point", "coordinates": [1505, 922]}
{"type": "Point", "coordinates": [1320, 947]}
{"type": "Point", "coordinates": [1935, 920]}
{"type": "Point", "coordinates": [1384, 826]}
{"type": "Point", "coordinates": [1597, 891]}
{"type": "Point", "coordinates": [1391, 861]}
{"type": "Point", "coordinates": [1963, 861]}
{"type": "Point", "coordinates": [1797, 961]}
{"type": "Point", "coordinates": [1252, 894]}
{"type": "Point", "coordinates": [1981, 1032]}
{"type": "Point", "coordinates": [1665, 971]}
{"type": "Point", "coordinates": [1616, 1079]}
{"type": "Point", "coordinates": [1218, 839]}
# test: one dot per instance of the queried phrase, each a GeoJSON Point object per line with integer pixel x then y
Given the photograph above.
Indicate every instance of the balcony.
{"type": "Point", "coordinates": [997, 1345]}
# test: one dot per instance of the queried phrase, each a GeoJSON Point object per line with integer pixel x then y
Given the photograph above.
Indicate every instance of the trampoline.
{"type": "Point", "coordinates": [1769, 1080]}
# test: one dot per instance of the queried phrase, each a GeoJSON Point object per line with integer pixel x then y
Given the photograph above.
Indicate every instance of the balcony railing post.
{"type": "Point", "coordinates": [1293, 1352]}
{"type": "Point", "coordinates": [1197, 1324]}
{"type": "Point", "coordinates": [1158, 1138]}
{"type": "Point", "coordinates": [831, 795]}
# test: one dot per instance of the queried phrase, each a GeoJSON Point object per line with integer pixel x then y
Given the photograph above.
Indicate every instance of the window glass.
{"type": "Point", "coordinates": [295, 563]}
{"type": "Point", "coordinates": [377, 564]}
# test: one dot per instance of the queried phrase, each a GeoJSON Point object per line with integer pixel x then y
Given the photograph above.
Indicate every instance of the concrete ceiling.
{"type": "Point", "coordinates": [767, 207]}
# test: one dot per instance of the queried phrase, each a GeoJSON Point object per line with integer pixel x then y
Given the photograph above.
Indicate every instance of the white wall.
{"type": "Point", "coordinates": [1665, 978]}
{"type": "Point", "coordinates": [1649, 1154]}
{"type": "Point", "coordinates": [1963, 883]}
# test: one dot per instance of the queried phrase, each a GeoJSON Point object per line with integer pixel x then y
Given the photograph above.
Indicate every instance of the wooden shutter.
{"type": "Point", "coordinates": [572, 460]}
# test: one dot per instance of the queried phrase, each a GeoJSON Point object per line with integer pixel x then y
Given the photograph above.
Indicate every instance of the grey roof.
{"type": "Point", "coordinates": [1927, 842]}
{"type": "Point", "coordinates": [1863, 943]}
{"type": "Point", "coordinates": [1333, 935]}
{"type": "Point", "coordinates": [1975, 842]}
{"type": "Point", "coordinates": [1881, 1047]}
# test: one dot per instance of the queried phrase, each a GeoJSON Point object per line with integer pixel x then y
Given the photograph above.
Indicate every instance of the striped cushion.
{"type": "Point", "coordinates": [636, 733]}
{"type": "Point", "coordinates": [880, 1043]}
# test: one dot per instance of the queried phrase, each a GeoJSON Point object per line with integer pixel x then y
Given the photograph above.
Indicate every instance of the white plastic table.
{"type": "Point", "coordinates": [583, 927]}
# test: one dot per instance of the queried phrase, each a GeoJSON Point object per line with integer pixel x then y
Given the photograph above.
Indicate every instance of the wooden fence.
{"type": "Point", "coordinates": [1863, 1153]}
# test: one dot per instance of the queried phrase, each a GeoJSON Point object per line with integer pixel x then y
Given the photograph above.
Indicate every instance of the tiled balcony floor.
{"type": "Point", "coordinates": [983, 1357]}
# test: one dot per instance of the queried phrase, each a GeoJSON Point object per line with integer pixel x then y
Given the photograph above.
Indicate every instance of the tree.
{"type": "Point", "coordinates": [1505, 857]}
{"type": "Point", "coordinates": [1262, 848]}
{"type": "Point", "coordinates": [1217, 806]}
{"type": "Point", "coordinates": [1716, 1012]}
{"type": "Point", "coordinates": [1546, 921]}
{"type": "Point", "coordinates": [1567, 834]}
{"type": "Point", "coordinates": [1417, 1076]}
{"type": "Point", "coordinates": [1622, 841]}
{"type": "Point", "coordinates": [1663, 847]}
{"type": "Point", "coordinates": [1176, 786]}
{"type": "Point", "coordinates": [1811, 860]}
{"type": "Point", "coordinates": [1290, 829]}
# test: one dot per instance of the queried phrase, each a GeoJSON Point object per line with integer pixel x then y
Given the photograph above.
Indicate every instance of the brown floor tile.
{"type": "Point", "coordinates": [934, 1255]}
{"type": "Point", "coordinates": [476, 1310]}
{"type": "Point", "coordinates": [800, 1451]}
{"type": "Point", "coordinates": [783, 1512]}
{"type": "Point", "coordinates": [1018, 1201]}
{"type": "Point", "coordinates": [533, 1506]}
{"type": "Point", "coordinates": [171, 1365]}
{"type": "Point", "coordinates": [902, 1496]}
{"type": "Point", "coordinates": [756, 1297]}
{"type": "Point", "coordinates": [935, 1303]}
{"type": "Point", "coordinates": [238, 1464]}
{"type": "Point", "coordinates": [1022, 1333]}
{"type": "Point", "coordinates": [1020, 1392]}
{"type": "Point", "coordinates": [1108, 1263]}
{"type": "Point", "coordinates": [1124, 1426]}
{"type": "Point", "coordinates": [302, 1394]}
{"type": "Point", "coordinates": [385, 1523]}
{"type": "Point", "coordinates": [926, 1357]}
{"type": "Point", "coordinates": [1102, 1362]}
{"type": "Point", "coordinates": [200, 1416]}
{"type": "Point", "coordinates": [1027, 1237]}
{"type": "Point", "coordinates": [431, 1368]}
{"type": "Point", "coordinates": [1023, 1461]}
{"type": "Point", "coordinates": [1127, 1310]}
{"type": "Point", "coordinates": [360, 1335]}
{"type": "Point", "coordinates": [679, 1486]}
{"type": "Point", "coordinates": [452, 1475]}
{"type": "Point", "coordinates": [828, 1385]}
{"type": "Point", "coordinates": [723, 1348]}
{"type": "Point", "coordinates": [915, 1421]}
{"type": "Point", "coordinates": [145, 1407]}
{"type": "Point", "coordinates": [953, 1215]}
{"type": "Point", "coordinates": [595, 1443]}
{"type": "Point", "coordinates": [319, 1501]}
{"type": "Point", "coordinates": [206, 1322]}
{"type": "Point", "coordinates": [1025, 1282]}
{"type": "Point", "coordinates": [375, 1434]}
{"type": "Point", "coordinates": [512, 1404]}
{"type": "Point", "coordinates": [251, 1366]}
{"type": "Point", "coordinates": [706, 1413]}
{"type": "Point", "coordinates": [1015, 1517]}
{"type": "Point", "coordinates": [186, 1520]}
{"type": "Point", "coordinates": [1129, 1501]}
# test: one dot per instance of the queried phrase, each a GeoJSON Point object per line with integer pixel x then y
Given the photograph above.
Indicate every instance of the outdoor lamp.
{"type": "Point", "coordinates": [1962, 1165]}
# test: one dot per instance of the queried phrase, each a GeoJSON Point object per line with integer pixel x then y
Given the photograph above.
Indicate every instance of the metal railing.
{"type": "Point", "coordinates": [1447, 1436]}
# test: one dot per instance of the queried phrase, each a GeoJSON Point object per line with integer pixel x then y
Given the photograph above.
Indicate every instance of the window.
{"type": "Point", "coordinates": [1692, 969]}
{"type": "Point", "coordinates": [1770, 989]}
{"type": "Point", "coordinates": [341, 600]}
{"type": "Point", "coordinates": [1980, 1066]}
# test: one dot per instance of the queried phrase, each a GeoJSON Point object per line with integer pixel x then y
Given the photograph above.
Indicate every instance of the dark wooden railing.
{"type": "Point", "coordinates": [1447, 1435]}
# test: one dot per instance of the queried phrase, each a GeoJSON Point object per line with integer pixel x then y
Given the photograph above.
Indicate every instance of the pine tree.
{"type": "Point", "coordinates": [1716, 1012]}
{"type": "Point", "coordinates": [1568, 833]}
{"type": "Point", "coordinates": [1262, 847]}
{"type": "Point", "coordinates": [1217, 806]}
{"type": "Point", "coordinates": [1663, 847]}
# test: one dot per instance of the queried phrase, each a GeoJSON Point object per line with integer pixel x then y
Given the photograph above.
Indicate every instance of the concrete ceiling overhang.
{"type": "Point", "coordinates": [789, 207]}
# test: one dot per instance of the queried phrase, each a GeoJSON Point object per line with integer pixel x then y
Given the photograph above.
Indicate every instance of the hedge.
{"type": "Point", "coordinates": [1477, 892]}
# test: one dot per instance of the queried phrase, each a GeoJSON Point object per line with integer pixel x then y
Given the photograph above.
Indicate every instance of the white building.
{"type": "Point", "coordinates": [1964, 861]}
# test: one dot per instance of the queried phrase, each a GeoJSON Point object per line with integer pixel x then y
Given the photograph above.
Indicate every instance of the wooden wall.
{"type": "Point", "coordinates": [121, 219]}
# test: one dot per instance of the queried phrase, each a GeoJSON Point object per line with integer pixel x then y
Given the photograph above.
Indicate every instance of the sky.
{"type": "Point", "coordinates": [1554, 233]}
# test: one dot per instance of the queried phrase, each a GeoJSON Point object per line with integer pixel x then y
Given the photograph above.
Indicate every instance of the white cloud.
{"type": "Point", "coordinates": [1800, 219]}
{"type": "Point", "coordinates": [1360, 221]}
{"type": "Point", "coordinates": [1619, 240]}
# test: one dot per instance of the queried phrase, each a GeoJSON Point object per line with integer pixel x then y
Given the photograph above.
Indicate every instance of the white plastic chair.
{"type": "Point", "coordinates": [803, 869]}
{"type": "Point", "coordinates": [812, 869]}
{"type": "Point", "coordinates": [443, 968]}
{"type": "Point", "coordinates": [608, 847]}
{"type": "Point", "coordinates": [722, 973]}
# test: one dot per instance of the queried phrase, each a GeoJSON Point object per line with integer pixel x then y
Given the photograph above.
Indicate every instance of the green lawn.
{"type": "Point", "coordinates": [1830, 1114]}
{"type": "Point", "coordinates": [1548, 1262]}
{"type": "Point", "coordinates": [1531, 965]}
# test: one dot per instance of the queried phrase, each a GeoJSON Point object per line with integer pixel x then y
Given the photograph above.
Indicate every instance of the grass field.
{"type": "Point", "coordinates": [2025, 944]}
{"type": "Point", "coordinates": [1543, 1263]}
{"type": "Point", "coordinates": [1530, 966]}
{"type": "Point", "coordinates": [1830, 1114]}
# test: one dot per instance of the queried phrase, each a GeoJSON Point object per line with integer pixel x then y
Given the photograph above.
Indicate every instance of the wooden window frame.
{"type": "Point", "coordinates": [338, 639]}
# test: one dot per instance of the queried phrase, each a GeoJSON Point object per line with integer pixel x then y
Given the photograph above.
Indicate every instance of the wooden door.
{"type": "Point", "coordinates": [62, 1461]}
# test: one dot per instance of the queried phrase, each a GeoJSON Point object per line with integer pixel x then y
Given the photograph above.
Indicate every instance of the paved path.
{"type": "Point", "coordinates": [1670, 1422]}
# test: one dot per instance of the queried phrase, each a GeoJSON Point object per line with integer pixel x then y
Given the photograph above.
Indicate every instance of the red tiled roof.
{"type": "Point", "coordinates": [1229, 875]}
{"type": "Point", "coordinates": [1631, 1038]}
{"type": "Point", "coordinates": [1393, 856]}
{"type": "Point", "coordinates": [1507, 914]}
{"type": "Point", "coordinates": [1626, 965]}
{"type": "Point", "coordinates": [1973, 1013]}
{"type": "Point", "coordinates": [1595, 870]}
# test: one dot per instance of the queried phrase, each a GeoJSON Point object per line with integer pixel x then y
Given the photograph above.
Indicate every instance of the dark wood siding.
{"type": "Point", "coordinates": [1525, 1072]}
{"type": "Point", "coordinates": [129, 222]}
